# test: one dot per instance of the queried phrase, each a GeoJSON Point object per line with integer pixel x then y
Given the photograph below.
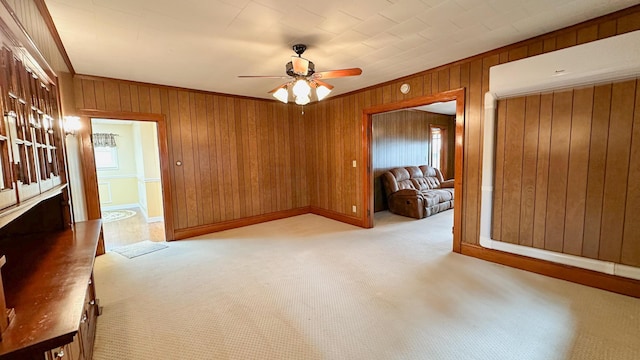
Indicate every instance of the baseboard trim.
{"type": "Point", "coordinates": [336, 216]}
{"type": "Point", "coordinates": [232, 224]}
{"type": "Point", "coordinates": [617, 284]}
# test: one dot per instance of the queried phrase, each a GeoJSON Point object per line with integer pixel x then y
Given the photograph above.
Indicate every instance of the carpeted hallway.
{"type": "Point", "coordinates": [311, 288]}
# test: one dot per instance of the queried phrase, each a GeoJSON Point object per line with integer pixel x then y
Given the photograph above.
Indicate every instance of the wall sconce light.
{"type": "Point", "coordinates": [71, 125]}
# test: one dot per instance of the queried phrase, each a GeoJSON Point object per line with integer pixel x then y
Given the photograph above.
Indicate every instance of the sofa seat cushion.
{"type": "Point", "coordinates": [431, 198]}
{"type": "Point", "coordinates": [437, 196]}
{"type": "Point", "coordinates": [444, 194]}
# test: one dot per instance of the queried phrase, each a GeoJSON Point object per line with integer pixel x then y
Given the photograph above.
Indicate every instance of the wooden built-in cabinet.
{"type": "Point", "coordinates": [30, 132]}
{"type": "Point", "coordinates": [48, 281]}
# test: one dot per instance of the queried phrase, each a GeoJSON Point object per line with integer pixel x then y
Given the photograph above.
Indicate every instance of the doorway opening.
{"type": "Point", "coordinates": [439, 144]}
{"type": "Point", "coordinates": [127, 166]}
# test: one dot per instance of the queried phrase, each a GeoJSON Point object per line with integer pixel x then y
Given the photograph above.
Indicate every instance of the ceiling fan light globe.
{"type": "Point", "coordinates": [302, 100]}
{"type": "Point", "coordinates": [282, 94]}
{"type": "Point", "coordinates": [322, 92]}
{"type": "Point", "coordinates": [301, 88]}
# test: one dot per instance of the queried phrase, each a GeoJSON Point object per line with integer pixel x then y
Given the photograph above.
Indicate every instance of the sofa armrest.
{"type": "Point", "coordinates": [405, 192]}
{"type": "Point", "coordinates": [447, 184]}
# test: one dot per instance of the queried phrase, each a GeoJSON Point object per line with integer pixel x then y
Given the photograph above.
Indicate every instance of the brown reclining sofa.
{"type": "Point", "coordinates": [417, 191]}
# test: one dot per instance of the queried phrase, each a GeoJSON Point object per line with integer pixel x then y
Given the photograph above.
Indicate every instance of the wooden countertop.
{"type": "Point", "coordinates": [45, 280]}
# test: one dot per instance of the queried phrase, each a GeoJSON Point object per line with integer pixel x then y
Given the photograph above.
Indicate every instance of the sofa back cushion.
{"type": "Point", "coordinates": [428, 171]}
{"type": "Point", "coordinates": [397, 179]}
{"type": "Point", "coordinates": [426, 183]}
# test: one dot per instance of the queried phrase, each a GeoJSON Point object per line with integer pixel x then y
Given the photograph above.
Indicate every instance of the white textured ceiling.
{"type": "Point", "coordinates": [205, 44]}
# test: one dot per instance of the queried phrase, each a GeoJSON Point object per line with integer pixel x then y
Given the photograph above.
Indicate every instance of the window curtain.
{"type": "Point", "coordinates": [104, 140]}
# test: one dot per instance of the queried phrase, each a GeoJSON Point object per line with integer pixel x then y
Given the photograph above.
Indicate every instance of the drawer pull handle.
{"type": "Point", "coordinates": [60, 354]}
{"type": "Point", "coordinates": [84, 318]}
{"type": "Point", "coordinates": [92, 302]}
{"type": "Point", "coordinates": [90, 282]}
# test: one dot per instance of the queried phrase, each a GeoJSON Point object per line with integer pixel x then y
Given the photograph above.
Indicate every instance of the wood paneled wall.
{"type": "Point", "coordinates": [401, 138]}
{"type": "Point", "coordinates": [336, 134]}
{"type": "Point", "coordinates": [568, 172]}
{"type": "Point", "coordinates": [32, 20]}
{"type": "Point", "coordinates": [239, 157]}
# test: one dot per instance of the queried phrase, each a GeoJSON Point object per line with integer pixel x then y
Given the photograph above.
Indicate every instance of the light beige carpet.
{"type": "Point", "coordinates": [311, 288]}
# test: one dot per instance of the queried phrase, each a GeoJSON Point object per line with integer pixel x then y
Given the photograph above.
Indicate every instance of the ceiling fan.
{"type": "Point", "coordinates": [303, 78]}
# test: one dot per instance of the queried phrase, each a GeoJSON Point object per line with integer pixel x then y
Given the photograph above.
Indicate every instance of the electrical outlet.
{"type": "Point", "coordinates": [353, 208]}
{"type": "Point", "coordinates": [354, 163]}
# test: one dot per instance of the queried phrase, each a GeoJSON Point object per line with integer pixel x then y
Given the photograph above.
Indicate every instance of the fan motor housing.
{"type": "Point", "coordinates": [290, 72]}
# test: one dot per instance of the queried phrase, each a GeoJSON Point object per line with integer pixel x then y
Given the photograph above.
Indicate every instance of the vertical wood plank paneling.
{"type": "Point", "coordinates": [578, 170]}
{"type": "Point", "coordinates": [293, 156]}
{"type": "Point", "coordinates": [631, 235]}
{"type": "Point", "coordinates": [596, 170]}
{"type": "Point", "coordinates": [435, 82]}
{"type": "Point", "coordinates": [112, 96]}
{"type": "Point", "coordinates": [89, 94]}
{"type": "Point", "coordinates": [239, 153]}
{"type": "Point", "coordinates": [628, 23]}
{"type": "Point", "coordinates": [233, 158]}
{"type": "Point", "coordinates": [471, 179]}
{"type": "Point", "coordinates": [204, 166]}
{"type": "Point", "coordinates": [311, 132]}
{"type": "Point", "coordinates": [587, 34]}
{"type": "Point", "coordinates": [286, 159]}
{"type": "Point", "coordinates": [280, 159]}
{"type": "Point", "coordinates": [274, 158]}
{"type": "Point", "coordinates": [180, 210]}
{"type": "Point", "coordinates": [99, 92]}
{"type": "Point", "coordinates": [535, 48]}
{"type": "Point", "coordinates": [512, 183]}
{"type": "Point", "coordinates": [156, 106]}
{"type": "Point", "coordinates": [607, 29]}
{"type": "Point", "coordinates": [213, 158]}
{"type": "Point", "coordinates": [253, 158]}
{"type": "Point", "coordinates": [518, 53]}
{"type": "Point", "coordinates": [566, 40]}
{"type": "Point", "coordinates": [465, 80]}
{"type": "Point", "coordinates": [79, 93]}
{"type": "Point", "coordinates": [443, 79]}
{"type": "Point", "coordinates": [558, 166]}
{"type": "Point", "coordinates": [386, 94]}
{"type": "Point", "coordinates": [454, 77]}
{"type": "Point", "coordinates": [135, 101]}
{"type": "Point", "coordinates": [246, 158]}
{"type": "Point", "coordinates": [225, 171]}
{"type": "Point", "coordinates": [529, 169]}
{"type": "Point", "coordinates": [193, 124]}
{"type": "Point", "coordinates": [320, 155]}
{"type": "Point", "coordinates": [542, 171]}
{"type": "Point", "coordinates": [426, 84]}
{"type": "Point", "coordinates": [125, 97]}
{"type": "Point", "coordinates": [265, 181]}
{"type": "Point", "coordinates": [549, 45]}
{"type": "Point", "coordinates": [144, 100]}
{"type": "Point", "coordinates": [498, 192]}
{"type": "Point", "coordinates": [188, 163]}
{"type": "Point", "coordinates": [617, 170]}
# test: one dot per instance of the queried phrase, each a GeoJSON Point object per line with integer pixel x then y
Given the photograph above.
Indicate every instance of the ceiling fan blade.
{"type": "Point", "coordinates": [300, 65]}
{"type": "Point", "coordinates": [332, 74]}
{"type": "Point", "coordinates": [322, 83]}
{"type": "Point", "coordinates": [262, 77]}
{"type": "Point", "coordinates": [276, 89]}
